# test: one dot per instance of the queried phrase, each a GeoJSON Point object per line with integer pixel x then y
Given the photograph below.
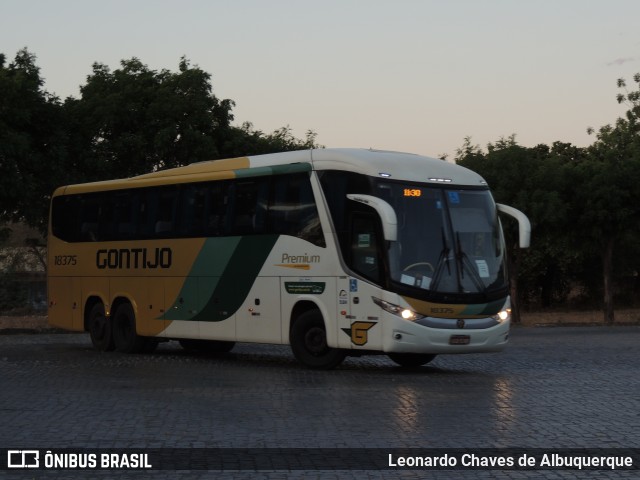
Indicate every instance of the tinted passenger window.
{"type": "Point", "coordinates": [281, 204]}
{"type": "Point", "coordinates": [193, 206]}
{"type": "Point", "coordinates": [216, 217]}
{"type": "Point", "coordinates": [293, 209]}
{"type": "Point", "coordinates": [249, 206]}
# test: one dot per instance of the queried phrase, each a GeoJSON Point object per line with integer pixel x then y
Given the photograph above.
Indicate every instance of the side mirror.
{"type": "Point", "coordinates": [385, 211]}
{"type": "Point", "coordinates": [523, 222]}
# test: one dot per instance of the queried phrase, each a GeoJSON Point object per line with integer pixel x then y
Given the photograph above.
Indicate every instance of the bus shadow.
{"type": "Point", "coordinates": [280, 357]}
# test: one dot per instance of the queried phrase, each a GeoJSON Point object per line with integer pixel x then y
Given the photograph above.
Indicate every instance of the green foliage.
{"type": "Point", "coordinates": [32, 142]}
{"type": "Point", "coordinates": [534, 180]}
{"type": "Point", "coordinates": [245, 140]}
{"type": "Point", "coordinates": [136, 120]}
{"type": "Point", "coordinates": [584, 203]}
{"type": "Point", "coordinates": [129, 121]}
{"type": "Point", "coordinates": [584, 207]}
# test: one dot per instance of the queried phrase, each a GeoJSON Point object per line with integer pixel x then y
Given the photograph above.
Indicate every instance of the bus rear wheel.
{"type": "Point", "coordinates": [409, 360]}
{"type": "Point", "coordinates": [124, 331]}
{"type": "Point", "coordinates": [309, 342]}
{"type": "Point", "coordinates": [99, 328]}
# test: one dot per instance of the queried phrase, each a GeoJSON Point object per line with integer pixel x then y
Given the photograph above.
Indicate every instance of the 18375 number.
{"type": "Point", "coordinates": [65, 260]}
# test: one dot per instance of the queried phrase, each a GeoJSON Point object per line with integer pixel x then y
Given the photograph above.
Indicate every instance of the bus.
{"type": "Point", "coordinates": [334, 252]}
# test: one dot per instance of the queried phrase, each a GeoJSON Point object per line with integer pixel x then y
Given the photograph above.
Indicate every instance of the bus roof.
{"type": "Point", "coordinates": [395, 166]}
{"type": "Point", "coordinates": [377, 163]}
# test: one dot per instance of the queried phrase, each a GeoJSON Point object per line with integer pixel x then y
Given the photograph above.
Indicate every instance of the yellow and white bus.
{"type": "Point", "coordinates": [334, 251]}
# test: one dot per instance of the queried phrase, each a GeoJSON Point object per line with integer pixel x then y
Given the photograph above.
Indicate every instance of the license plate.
{"type": "Point", "coordinates": [459, 340]}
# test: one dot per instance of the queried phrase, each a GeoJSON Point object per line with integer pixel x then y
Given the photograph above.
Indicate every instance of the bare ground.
{"type": "Point", "coordinates": [37, 324]}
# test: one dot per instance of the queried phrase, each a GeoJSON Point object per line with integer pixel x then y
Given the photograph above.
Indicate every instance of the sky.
{"type": "Point", "coordinates": [409, 75]}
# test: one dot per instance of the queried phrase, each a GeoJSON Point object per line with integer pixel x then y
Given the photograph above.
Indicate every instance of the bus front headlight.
{"type": "Point", "coordinates": [503, 315]}
{"type": "Point", "coordinates": [405, 313]}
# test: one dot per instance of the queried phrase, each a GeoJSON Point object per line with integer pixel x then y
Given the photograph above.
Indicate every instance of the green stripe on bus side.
{"type": "Point", "coordinates": [214, 256]}
{"type": "Point", "coordinates": [222, 277]}
{"type": "Point", "coordinates": [273, 170]}
{"type": "Point", "coordinates": [210, 263]}
{"type": "Point", "coordinates": [238, 278]}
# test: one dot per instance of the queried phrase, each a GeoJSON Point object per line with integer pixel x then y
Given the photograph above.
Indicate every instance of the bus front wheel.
{"type": "Point", "coordinates": [309, 342]}
{"type": "Point", "coordinates": [409, 360]}
{"type": "Point", "coordinates": [124, 331]}
{"type": "Point", "coordinates": [99, 328]}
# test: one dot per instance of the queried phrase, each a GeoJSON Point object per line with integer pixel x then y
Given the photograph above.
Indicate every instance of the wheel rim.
{"type": "Point", "coordinates": [315, 341]}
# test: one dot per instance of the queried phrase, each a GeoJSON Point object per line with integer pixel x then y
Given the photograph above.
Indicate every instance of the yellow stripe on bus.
{"type": "Point", "coordinates": [299, 266]}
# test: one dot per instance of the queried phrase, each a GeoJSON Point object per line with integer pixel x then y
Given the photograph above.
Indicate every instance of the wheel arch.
{"type": "Point", "coordinates": [304, 305]}
{"type": "Point", "coordinates": [121, 300]}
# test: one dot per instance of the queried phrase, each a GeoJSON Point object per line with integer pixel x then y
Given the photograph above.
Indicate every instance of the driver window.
{"type": "Point", "coordinates": [365, 255]}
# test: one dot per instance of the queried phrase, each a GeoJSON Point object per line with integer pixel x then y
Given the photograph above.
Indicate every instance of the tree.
{"type": "Point", "coordinates": [503, 167]}
{"type": "Point", "coordinates": [610, 202]}
{"type": "Point", "coordinates": [130, 121]}
{"type": "Point", "coordinates": [32, 142]}
{"type": "Point", "coordinates": [584, 205]}
{"type": "Point", "coordinates": [245, 140]}
{"type": "Point", "coordinates": [532, 180]}
{"type": "Point", "coordinates": [136, 120]}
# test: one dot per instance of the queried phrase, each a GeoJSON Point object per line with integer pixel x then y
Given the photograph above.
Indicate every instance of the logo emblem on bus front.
{"type": "Point", "coordinates": [359, 332]}
{"type": "Point", "coordinates": [460, 323]}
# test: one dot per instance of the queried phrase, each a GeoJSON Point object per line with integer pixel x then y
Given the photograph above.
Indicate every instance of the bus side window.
{"type": "Point", "coordinates": [142, 215]}
{"type": "Point", "coordinates": [65, 213]}
{"type": "Point", "coordinates": [217, 207]}
{"type": "Point", "coordinates": [90, 209]}
{"type": "Point", "coordinates": [192, 210]}
{"type": "Point", "coordinates": [124, 226]}
{"type": "Point", "coordinates": [165, 212]}
{"type": "Point", "coordinates": [293, 209]}
{"type": "Point", "coordinates": [249, 206]}
{"type": "Point", "coordinates": [106, 218]}
{"type": "Point", "coordinates": [365, 253]}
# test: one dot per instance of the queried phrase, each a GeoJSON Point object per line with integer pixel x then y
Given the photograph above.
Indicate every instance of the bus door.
{"type": "Point", "coordinates": [363, 256]}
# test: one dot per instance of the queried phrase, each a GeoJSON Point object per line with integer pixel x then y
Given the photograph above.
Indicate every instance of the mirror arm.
{"type": "Point", "coordinates": [385, 211]}
{"type": "Point", "coordinates": [523, 223]}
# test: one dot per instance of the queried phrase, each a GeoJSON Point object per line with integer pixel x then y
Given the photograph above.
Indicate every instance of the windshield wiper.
{"type": "Point", "coordinates": [442, 259]}
{"type": "Point", "coordinates": [463, 260]}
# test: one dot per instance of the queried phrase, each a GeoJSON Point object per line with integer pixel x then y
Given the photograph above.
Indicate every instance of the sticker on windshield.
{"type": "Point", "coordinates": [364, 240]}
{"type": "Point", "coordinates": [454, 197]}
{"type": "Point", "coordinates": [483, 268]}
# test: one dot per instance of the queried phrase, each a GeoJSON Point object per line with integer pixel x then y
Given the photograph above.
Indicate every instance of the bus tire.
{"type": "Point", "coordinates": [309, 342]}
{"type": "Point", "coordinates": [410, 360]}
{"type": "Point", "coordinates": [99, 327]}
{"type": "Point", "coordinates": [124, 330]}
{"type": "Point", "coordinates": [206, 346]}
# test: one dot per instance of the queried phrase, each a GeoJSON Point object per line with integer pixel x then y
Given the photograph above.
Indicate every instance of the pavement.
{"type": "Point", "coordinates": [553, 388]}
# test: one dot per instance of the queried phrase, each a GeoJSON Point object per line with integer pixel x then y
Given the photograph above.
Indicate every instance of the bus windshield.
{"type": "Point", "coordinates": [449, 239]}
